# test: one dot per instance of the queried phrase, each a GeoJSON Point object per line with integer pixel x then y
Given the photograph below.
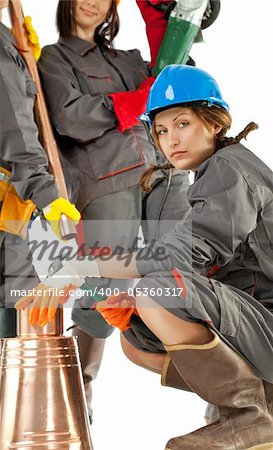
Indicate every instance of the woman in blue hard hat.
{"type": "Point", "coordinates": [202, 313]}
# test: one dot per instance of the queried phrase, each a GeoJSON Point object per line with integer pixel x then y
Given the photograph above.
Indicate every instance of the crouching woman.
{"type": "Point", "coordinates": [202, 313]}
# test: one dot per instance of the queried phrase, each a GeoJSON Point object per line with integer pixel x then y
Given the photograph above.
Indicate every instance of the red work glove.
{"type": "Point", "coordinates": [129, 105]}
{"type": "Point", "coordinates": [156, 24]}
{"type": "Point", "coordinates": [117, 310]}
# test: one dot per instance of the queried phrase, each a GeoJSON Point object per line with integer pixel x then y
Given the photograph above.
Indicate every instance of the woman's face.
{"type": "Point", "coordinates": [183, 138]}
{"type": "Point", "coordinates": [89, 14]}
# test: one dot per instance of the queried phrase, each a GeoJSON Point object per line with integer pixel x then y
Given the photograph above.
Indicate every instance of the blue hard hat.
{"type": "Point", "coordinates": [180, 84]}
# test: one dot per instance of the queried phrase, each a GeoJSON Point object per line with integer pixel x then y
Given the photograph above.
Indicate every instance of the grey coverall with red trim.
{"type": "Point", "coordinates": [23, 156]}
{"type": "Point", "coordinates": [102, 165]}
{"type": "Point", "coordinates": [223, 259]}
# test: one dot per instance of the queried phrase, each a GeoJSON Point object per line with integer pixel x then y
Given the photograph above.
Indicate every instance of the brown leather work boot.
{"type": "Point", "coordinates": [269, 396]}
{"type": "Point", "coordinates": [221, 377]}
{"type": "Point", "coordinates": [171, 377]}
{"type": "Point", "coordinates": [212, 412]}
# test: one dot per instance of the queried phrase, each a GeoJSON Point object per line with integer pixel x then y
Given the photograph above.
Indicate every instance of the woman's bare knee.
{"type": "Point", "coordinates": [169, 328]}
{"type": "Point", "coordinates": [149, 361]}
{"type": "Point", "coordinates": [129, 350]}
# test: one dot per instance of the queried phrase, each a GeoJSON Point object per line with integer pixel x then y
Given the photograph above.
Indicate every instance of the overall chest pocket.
{"type": "Point", "coordinates": [31, 89]}
{"type": "Point", "coordinates": [95, 81]}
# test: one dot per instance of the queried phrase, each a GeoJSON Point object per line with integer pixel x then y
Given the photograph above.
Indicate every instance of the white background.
{"type": "Point", "coordinates": [132, 411]}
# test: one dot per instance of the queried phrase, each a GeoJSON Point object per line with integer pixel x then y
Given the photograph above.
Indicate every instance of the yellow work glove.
{"type": "Point", "coordinates": [32, 37]}
{"type": "Point", "coordinates": [54, 211]}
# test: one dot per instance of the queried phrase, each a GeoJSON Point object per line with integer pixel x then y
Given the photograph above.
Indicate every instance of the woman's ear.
{"type": "Point", "coordinates": [217, 129]}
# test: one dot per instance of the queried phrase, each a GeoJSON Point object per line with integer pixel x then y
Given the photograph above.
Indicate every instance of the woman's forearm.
{"type": "Point", "coordinates": [119, 266]}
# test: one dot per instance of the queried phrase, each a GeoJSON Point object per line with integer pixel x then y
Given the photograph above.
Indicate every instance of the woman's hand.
{"type": "Point", "coordinates": [117, 310]}
{"type": "Point", "coordinates": [129, 105]}
{"type": "Point", "coordinates": [156, 24]}
{"type": "Point", "coordinates": [53, 213]}
{"type": "Point", "coordinates": [45, 300]}
{"type": "Point", "coordinates": [56, 289]}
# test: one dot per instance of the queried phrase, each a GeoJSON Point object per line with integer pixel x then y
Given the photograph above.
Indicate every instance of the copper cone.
{"type": "Point", "coordinates": [42, 401]}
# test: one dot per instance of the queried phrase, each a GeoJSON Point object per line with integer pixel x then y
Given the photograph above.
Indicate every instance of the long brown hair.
{"type": "Point", "coordinates": [104, 33]}
{"type": "Point", "coordinates": [209, 116]}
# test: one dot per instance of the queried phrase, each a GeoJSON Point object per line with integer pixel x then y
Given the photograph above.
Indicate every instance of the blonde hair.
{"type": "Point", "coordinates": [209, 116]}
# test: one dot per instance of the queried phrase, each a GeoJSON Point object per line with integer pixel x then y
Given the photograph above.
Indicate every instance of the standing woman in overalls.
{"type": "Point", "coordinates": [94, 94]}
{"type": "Point", "coordinates": [25, 183]}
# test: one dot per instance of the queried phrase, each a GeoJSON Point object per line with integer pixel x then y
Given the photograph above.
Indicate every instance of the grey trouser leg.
{"type": "Point", "coordinates": [7, 323]}
{"type": "Point", "coordinates": [110, 220]}
{"type": "Point", "coordinates": [17, 274]}
{"type": "Point", "coordinates": [90, 351]}
{"type": "Point", "coordinates": [7, 315]}
{"type": "Point", "coordinates": [241, 321]}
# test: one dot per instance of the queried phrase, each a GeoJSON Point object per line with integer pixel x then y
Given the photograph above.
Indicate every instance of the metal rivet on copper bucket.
{"type": "Point", "coordinates": [42, 401]}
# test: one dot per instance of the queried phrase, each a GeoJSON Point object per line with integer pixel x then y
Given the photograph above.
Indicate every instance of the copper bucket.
{"type": "Point", "coordinates": [42, 401]}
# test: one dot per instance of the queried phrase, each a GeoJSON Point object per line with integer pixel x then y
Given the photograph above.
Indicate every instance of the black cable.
{"type": "Point", "coordinates": [163, 201]}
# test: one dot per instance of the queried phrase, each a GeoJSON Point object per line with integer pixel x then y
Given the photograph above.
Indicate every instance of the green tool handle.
{"type": "Point", "coordinates": [176, 45]}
